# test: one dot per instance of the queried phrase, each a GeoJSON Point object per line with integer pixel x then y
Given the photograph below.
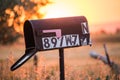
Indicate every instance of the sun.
{"type": "Point", "coordinates": [57, 10]}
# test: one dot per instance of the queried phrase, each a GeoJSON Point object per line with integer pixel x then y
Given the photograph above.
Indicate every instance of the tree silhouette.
{"type": "Point", "coordinates": [14, 13]}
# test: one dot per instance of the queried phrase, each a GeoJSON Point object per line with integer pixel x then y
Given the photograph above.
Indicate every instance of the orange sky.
{"type": "Point", "coordinates": [96, 11]}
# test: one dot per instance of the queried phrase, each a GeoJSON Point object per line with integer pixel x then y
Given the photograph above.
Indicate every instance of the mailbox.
{"type": "Point", "coordinates": [54, 33]}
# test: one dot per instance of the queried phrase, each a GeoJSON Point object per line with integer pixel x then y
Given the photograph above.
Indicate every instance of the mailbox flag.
{"type": "Point", "coordinates": [54, 33]}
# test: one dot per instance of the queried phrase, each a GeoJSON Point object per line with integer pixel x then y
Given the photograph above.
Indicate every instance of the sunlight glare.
{"type": "Point", "coordinates": [56, 10]}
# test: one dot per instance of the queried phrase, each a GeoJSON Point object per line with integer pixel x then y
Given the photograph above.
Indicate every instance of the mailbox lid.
{"type": "Point", "coordinates": [66, 24]}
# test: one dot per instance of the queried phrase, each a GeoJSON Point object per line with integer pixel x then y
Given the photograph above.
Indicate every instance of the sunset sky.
{"type": "Point", "coordinates": [96, 11]}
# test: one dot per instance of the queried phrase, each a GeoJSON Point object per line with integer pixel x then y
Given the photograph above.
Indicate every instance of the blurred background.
{"type": "Point", "coordinates": [103, 18]}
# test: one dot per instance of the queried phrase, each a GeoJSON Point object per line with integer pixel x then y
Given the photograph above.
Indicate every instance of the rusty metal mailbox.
{"type": "Point", "coordinates": [54, 33]}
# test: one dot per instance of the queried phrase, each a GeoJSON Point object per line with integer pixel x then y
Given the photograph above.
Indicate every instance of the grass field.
{"type": "Point", "coordinates": [78, 64]}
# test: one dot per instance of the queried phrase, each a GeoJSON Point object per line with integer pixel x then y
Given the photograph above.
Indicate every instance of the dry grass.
{"type": "Point", "coordinates": [78, 64]}
{"type": "Point", "coordinates": [95, 71]}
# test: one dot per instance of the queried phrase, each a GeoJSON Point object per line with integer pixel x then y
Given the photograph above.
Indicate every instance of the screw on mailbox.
{"type": "Point", "coordinates": [54, 33]}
